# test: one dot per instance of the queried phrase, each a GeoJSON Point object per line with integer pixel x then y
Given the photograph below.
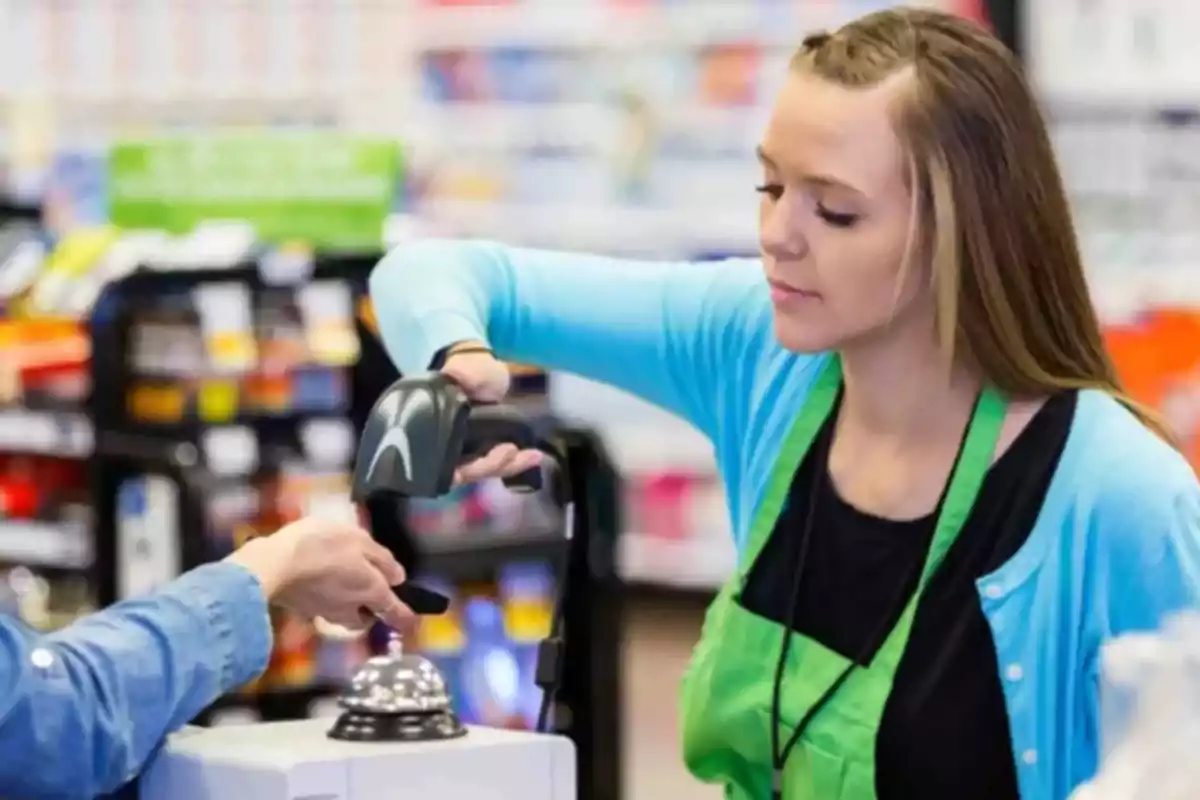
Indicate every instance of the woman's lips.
{"type": "Point", "coordinates": [782, 293]}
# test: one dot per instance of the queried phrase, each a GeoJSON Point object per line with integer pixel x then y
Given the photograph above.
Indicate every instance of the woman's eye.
{"type": "Point", "coordinates": [836, 219]}
{"type": "Point", "coordinates": [771, 190]}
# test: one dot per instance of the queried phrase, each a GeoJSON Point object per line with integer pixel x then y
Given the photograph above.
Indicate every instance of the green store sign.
{"type": "Point", "coordinates": [331, 191]}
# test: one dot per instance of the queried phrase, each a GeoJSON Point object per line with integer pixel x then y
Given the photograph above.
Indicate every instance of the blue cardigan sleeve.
{"type": "Point", "coordinates": [674, 334]}
{"type": "Point", "coordinates": [83, 709]}
{"type": "Point", "coordinates": [1155, 554]}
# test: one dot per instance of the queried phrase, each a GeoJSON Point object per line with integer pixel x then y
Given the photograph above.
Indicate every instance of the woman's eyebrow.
{"type": "Point", "coordinates": [815, 180]}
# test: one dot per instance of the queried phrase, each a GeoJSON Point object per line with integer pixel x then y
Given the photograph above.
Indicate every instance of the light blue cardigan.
{"type": "Point", "coordinates": [1116, 547]}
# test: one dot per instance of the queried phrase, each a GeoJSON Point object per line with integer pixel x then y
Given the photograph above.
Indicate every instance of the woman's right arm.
{"type": "Point", "coordinates": [676, 334]}
{"type": "Point", "coordinates": [81, 710]}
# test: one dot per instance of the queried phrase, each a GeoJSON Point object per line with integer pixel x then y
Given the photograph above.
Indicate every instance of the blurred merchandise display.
{"type": "Point", "coordinates": [1121, 83]}
{"type": "Point", "coordinates": [677, 532]}
{"type": "Point", "coordinates": [258, 373]}
{"type": "Point", "coordinates": [1122, 91]}
{"type": "Point", "coordinates": [1157, 354]}
{"type": "Point", "coordinates": [232, 328]}
{"type": "Point", "coordinates": [1132, 54]}
{"type": "Point", "coordinates": [211, 460]}
{"type": "Point", "coordinates": [630, 120]}
{"type": "Point", "coordinates": [595, 124]}
{"type": "Point", "coordinates": [486, 645]}
{"type": "Point", "coordinates": [47, 542]}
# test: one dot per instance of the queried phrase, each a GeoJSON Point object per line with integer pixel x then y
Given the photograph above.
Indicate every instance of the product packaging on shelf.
{"type": "Point", "coordinates": [1158, 359]}
{"type": "Point", "coordinates": [527, 594]}
{"type": "Point", "coordinates": [46, 513]}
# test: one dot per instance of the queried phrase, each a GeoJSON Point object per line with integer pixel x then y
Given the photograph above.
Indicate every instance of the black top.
{"type": "Point", "coordinates": [945, 731]}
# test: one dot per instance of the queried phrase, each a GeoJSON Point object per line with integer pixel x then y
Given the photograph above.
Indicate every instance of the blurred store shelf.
{"type": "Point", "coordinates": [456, 125]}
{"type": "Point", "coordinates": [468, 555]}
{"type": "Point", "coordinates": [55, 433]}
{"type": "Point", "coordinates": [1132, 92]}
{"type": "Point", "coordinates": [697, 563]}
{"type": "Point", "coordinates": [600, 228]}
{"type": "Point", "coordinates": [613, 27]}
{"type": "Point", "coordinates": [1122, 293]}
{"type": "Point", "coordinates": [60, 545]}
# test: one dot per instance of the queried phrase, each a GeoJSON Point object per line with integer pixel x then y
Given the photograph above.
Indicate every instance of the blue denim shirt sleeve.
{"type": "Point", "coordinates": [83, 709]}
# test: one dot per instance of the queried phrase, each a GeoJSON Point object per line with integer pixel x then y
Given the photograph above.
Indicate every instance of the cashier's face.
{"type": "Point", "coordinates": [834, 216]}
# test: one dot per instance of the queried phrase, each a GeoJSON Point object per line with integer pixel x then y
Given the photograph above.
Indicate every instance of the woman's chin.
{"type": "Point", "coordinates": [803, 337]}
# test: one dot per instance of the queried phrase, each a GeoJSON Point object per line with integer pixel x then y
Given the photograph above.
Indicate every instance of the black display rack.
{"type": "Point", "coordinates": [590, 693]}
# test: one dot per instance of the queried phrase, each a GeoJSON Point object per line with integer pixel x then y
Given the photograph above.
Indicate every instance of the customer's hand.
{"type": "Point", "coordinates": [327, 568]}
{"type": "Point", "coordinates": [485, 379]}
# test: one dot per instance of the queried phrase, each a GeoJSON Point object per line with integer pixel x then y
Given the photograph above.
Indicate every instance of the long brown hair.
{"type": "Point", "coordinates": [993, 217]}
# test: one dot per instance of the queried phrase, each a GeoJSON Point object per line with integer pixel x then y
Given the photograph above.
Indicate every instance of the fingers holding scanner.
{"type": "Point", "coordinates": [486, 379]}
{"type": "Point", "coordinates": [503, 461]}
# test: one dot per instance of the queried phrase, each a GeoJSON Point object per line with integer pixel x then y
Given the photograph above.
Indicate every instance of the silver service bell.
{"type": "Point", "coordinates": [397, 697]}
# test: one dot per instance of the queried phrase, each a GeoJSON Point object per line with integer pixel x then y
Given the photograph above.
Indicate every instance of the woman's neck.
{"type": "Point", "coordinates": [902, 417]}
{"type": "Point", "coordinates": [900, 389]}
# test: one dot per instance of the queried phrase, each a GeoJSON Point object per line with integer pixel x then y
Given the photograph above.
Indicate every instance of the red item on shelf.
{"type": "Point", "coordinates": [662, 505]}
{"type": "Point", "coordinates": [19, 499]}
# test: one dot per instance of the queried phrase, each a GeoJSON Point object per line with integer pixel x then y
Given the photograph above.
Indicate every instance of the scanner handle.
{"type": "Point", "coordinates": [491, 425]}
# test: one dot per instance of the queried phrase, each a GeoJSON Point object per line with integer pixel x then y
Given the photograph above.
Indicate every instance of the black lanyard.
{"type": "Point", "coordinates": [821, 488]}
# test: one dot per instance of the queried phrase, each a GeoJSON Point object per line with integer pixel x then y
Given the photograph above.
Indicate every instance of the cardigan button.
{"type": "Point", "coordinates": [1014, 672]}
{"type": "Point", "coordinates": [42, 658]}
{"type": "Point", "coordinates": [1029, 757]}
{"type": "Point", "coordinates": [994, 590]}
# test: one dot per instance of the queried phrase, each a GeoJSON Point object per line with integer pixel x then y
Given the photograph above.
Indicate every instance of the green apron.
{"type": "Point", "coordinates": [728, 688]}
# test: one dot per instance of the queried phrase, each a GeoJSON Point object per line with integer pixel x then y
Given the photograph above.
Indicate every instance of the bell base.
{"type": "Point", "coordinates": [357, 726]}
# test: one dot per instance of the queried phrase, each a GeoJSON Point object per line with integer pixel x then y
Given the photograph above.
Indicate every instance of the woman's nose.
{"type": "Point", "coordinates": [779, 231]}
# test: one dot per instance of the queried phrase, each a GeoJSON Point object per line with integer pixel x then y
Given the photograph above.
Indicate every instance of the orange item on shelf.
{"type": "Point", "coordinates": [268, 393]}
{"type": "Point", "coordinates": [154, 402]}
{"type": "Point", "coordinates": [366, 314]}
{"type": "Point", "coordinates": [1158, 361]}
{"type": "Point", "coordinates": [729, 74]}
{"type": "Point", "coordinates": [43, 354]}
{"type": "Point", "coordinates": [293, 661]}
{"type": "Point", "coordinates": [1131, 347]}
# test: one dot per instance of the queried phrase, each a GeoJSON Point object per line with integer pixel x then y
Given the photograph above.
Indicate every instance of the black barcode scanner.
{"type": "Point", "coordinates": [419, 431]}
{"type": "Point", "coordinates": [422, 428]}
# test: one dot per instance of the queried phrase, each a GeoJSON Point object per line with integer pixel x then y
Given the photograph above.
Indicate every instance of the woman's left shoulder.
{"type": "Point", "coordinates": [1139, 501]}
{"type": "Point", "coordinates": [1123, 469]}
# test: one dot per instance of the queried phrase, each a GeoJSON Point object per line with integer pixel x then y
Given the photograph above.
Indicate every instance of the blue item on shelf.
{"type": "Point", "coordinates": [525, 75]}
{"type": "Point", "coordinates": [318, 389]}
{"type": "Point", "coordinates": [490, 677]}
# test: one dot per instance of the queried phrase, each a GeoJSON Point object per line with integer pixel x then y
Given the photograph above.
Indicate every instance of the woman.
{"type": "Point", "coordinates": [935, 481]}
{"type": "Point", "coordinates": [81, 710]}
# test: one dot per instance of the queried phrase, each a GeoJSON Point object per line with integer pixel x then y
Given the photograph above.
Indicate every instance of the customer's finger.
{"type": "Point", "coordinates": [383, 560]}
{"type": "Point", "coordinates": [386, 607]}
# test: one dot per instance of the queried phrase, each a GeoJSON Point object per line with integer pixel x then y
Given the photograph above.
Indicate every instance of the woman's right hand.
{"type": "Point", "coordinates": [486, 379]}
{"type": "Point", "coordinates": [330, 569]}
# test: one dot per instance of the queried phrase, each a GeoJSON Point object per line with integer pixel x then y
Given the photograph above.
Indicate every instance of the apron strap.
{"type": "Point", "coordinates": [974, 462]}
{"type": "Point", "coordinates": [817, 407]}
